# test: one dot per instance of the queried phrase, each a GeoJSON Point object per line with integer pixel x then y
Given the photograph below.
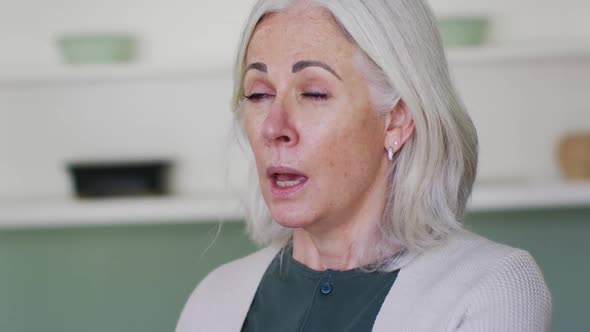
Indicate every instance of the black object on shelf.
{"type": "Point", "coordinates": [124, 178]}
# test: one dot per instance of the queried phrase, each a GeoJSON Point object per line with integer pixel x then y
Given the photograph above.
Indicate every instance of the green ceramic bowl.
{"type": "Point", "coordinates": [86, 49]}
{"type": "Point", "coordinates": [463, 31]}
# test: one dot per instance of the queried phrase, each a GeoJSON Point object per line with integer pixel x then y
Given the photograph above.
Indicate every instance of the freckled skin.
{"type": "Point", "coordinates": [338, 142]}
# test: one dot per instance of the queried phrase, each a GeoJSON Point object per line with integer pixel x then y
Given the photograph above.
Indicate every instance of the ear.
{"type": "Point", "coordinates": [399, 125]}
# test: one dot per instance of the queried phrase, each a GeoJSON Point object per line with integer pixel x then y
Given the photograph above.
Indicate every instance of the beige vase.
{"type": "Point", "coordinates": [574, 155]}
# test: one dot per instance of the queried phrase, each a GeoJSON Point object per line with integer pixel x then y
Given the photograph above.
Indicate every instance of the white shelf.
{"type": "Point", "coordinates": [508, 196]}
{"type": "Point", "coordinates": [118, 211]}
{"type": "Point", "coordinates": [75, 73]}
{"type": "Point", "coordinates": [493, 54]}
{"type": "Point", "coordinates": [109, 72]}
{"type": "Point", "coordinates": [486, 197]}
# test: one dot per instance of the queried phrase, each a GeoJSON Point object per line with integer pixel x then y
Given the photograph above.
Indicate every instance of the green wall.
{"type": "Point", "coordinates": [107, 278]}
{"type": "Point", "coordinates": [136, 278]}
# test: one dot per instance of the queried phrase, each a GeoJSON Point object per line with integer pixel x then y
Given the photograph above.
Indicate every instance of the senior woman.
{"type": "Point", "coordinates": [365, 159]}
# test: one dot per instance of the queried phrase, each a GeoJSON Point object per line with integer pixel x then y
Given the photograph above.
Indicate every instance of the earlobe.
{"type": "Point", "coordinates": [392, 149]}
{"type": "Point", "coordinates": [400, 127]}
{"type": "Point", "coordinates": [393, 140]}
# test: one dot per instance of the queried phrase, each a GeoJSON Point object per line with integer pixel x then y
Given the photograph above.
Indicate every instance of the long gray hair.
{"type": "Point", "coordinates": [401, 55]}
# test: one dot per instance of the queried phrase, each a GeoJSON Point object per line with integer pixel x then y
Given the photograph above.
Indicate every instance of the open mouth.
{"type": "Point", "coordinates": [285, 181]}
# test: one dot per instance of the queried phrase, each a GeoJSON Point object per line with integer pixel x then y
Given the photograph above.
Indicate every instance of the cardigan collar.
{"type": "Point", "coordinates": [257, 264]}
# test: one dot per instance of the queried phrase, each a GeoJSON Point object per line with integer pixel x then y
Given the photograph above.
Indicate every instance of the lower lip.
{"type": "Point", "coordinates": [285, 192]}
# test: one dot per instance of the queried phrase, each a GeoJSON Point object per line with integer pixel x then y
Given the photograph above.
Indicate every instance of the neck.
{"type": "Point", "coordinates": [326, 252]}
{"type": "Point", "coordinates": [339, 243]}
{"type": "Point", "coordinates": [348, 239]}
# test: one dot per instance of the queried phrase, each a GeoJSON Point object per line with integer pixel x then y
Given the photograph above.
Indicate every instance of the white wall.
{"type": "Point", "coordinates": [201, 31]}
{"type": "Point", "coordinates": [521, 108]}
{"type": "Point", "coordinates": [44, 126]}
{"type": "Point", "coordinates": [205, 32]}
{"type": "Point", "coordinates": [527, 21]}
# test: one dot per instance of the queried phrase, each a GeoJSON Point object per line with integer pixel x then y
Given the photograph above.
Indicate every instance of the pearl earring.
{"type": "Point", "coordinates": [390, 151]}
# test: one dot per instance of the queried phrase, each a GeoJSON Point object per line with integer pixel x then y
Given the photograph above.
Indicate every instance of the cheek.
{"type": "Point", "coordinates": [251, 127]}
{"type": "Point", "coordinates": [355, 148]}
{"type": "Point", "coordinates": [252, 131]}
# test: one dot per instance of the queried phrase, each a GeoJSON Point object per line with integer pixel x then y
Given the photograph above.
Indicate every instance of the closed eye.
{"type": "Point", "coordinates": [254, 97]}
{"type": "Point", "coordinates": [315, 95]}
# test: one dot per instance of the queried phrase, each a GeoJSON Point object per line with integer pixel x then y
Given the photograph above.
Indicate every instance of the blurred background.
{"type": "Point", "coordinates": [120, 175]}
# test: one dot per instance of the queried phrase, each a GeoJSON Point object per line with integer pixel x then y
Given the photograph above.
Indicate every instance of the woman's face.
{"type": "Point", "coordinates": [319, 146]}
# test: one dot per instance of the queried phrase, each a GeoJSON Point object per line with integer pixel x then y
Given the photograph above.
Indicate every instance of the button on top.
{"type": "Point", "coordinates": [326, 287]}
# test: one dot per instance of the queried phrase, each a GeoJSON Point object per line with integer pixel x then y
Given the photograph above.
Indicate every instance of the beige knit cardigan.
{"type": "Point", "coordinates": [467, 284]}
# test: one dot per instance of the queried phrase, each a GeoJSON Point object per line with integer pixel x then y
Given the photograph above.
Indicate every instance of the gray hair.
{"type": "Point", "coordinates": [431, 178]}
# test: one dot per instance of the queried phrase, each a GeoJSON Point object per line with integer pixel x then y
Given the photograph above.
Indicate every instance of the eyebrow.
{"type": "Point", "coordinates": [299, 66]}
{"type": "Point", "coordinates": [258, 66]}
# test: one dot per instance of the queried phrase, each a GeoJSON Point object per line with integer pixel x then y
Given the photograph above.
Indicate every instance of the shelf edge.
{"type": "Point", "coordinates": [195, 210]}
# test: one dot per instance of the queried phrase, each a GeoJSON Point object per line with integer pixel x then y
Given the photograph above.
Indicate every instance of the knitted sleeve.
{"type": "Point", "coordinates": [513, 297]}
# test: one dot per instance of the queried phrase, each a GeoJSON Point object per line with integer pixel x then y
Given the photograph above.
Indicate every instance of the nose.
{"type": "Point", "coordinates": [277, 128]}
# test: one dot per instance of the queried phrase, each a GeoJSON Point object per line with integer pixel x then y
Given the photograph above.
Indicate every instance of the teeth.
{"type": "Point", "coordinates": [284, 184]}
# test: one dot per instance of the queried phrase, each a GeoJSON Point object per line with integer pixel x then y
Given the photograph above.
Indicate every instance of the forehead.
{"type": "Point", "coordinates": [299, 34]}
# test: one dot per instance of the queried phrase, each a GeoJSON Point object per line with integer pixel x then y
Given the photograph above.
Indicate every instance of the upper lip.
{"type": "Point", "coordinates": [274, 170]}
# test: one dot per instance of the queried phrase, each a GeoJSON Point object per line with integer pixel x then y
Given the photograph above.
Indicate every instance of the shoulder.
{"type": "Point", "coordinates": [229, 287]}
{"type": "Point", "coordinates": [489, 286]}
{"type": "Point", "coordinates": [470, 257]}
{"type": "Point", "coordinates": [508, 293]}
{"type": "Point", "coordinates": [239, 268]}
{"type": "Point", "coordinates": [480, 264]}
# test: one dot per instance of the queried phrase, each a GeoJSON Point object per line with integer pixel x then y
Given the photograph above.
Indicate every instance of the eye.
{"type": "Point", "coordinates": [315, 95]}
{"type": "Point", "coordinates": [258, 96]}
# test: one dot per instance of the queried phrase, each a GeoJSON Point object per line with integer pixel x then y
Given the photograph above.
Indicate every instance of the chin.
{"type": "Point", "coordinates": [291, 216]}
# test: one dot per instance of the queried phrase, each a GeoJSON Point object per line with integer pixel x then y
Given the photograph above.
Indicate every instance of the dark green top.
{"type": "Point", "coordinates": [294, 298]}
